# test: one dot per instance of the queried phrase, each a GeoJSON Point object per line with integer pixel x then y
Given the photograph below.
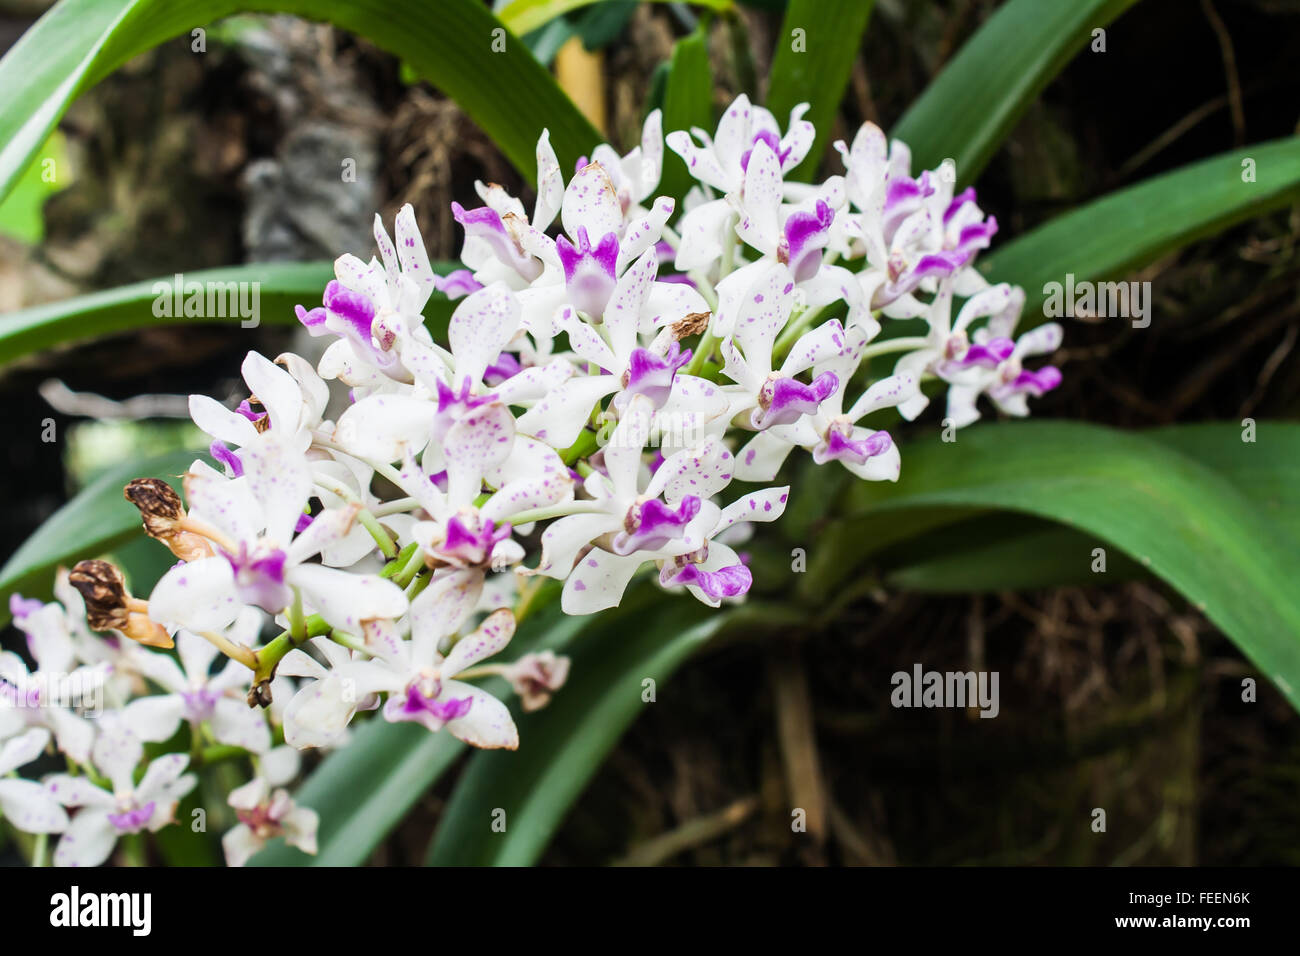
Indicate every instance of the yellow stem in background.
{"type": "Point", "coordinates": [580, 73]}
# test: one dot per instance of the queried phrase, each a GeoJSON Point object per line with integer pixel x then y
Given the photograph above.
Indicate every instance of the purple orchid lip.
{"type": "Point", "coordinates": [841, 446]}
{"type": "Point", "coordinates": [222, 453]}
{"type": "Point", "coordinates": [453, 406]}
{"type": "Point", "coordinates": [725, 582]}
{"type": "Point", "coordinates": [967, 195]}
{"type": "Point", "coordinates": [805, 236]}
{"type": "Point", "coordinates": [989, 355]}
{"type": "Point", "coordinates": [303, 523]}
{"type": "Point", "coordinates": [773, 143]}
{"type": "Point", "coordinates": [20, 607]}
{"type": "Point", "coordinates": [465, 546]}
{"type": "Point", "coordinates": [504, 368]}
{"type": "Point", "coordinates": [652, 525]}
{"type": "Point", "coordinates": [1033, 383]}
{"type": "Point", "coordinates": [486, 223]}
{"type": "Point", "coordinates": [589, 273]}
{"type": "Point", "coordinates": [132, 821]}
{"type": "Point", "coordinates": [652, 375]}
{"type": "Point", "coordinates": [418, 706]}
{"type": "Point", "coordinates": [783, 401]}
{"type": "Point", "coordinates": [457, 283]}
{"type": "Point", "coordinates": [260, 580]}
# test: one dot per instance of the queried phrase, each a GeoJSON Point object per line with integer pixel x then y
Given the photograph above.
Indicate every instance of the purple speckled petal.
{"type": "Point", "coordinates": [589, 273]}
{"type": "Point", "coordinates": [725, 582]}
{"type": "Point", "coordinates": [784, 401]}
{"type": "Point", "coordinates": [133, 821]}
{"type": "Point", "coordinates": [505, 367]}
{"type": "Point", "coordinates": [223, 454]}
{"type": "Point", "coordinates": [989, 355]}
{"type": "Point", "coordinates": [961, 199]}
{"type": "Point", "coordinates": [456, 283]}
{"type": "Point", "coordinates": [652, 524]}
{"type": "Point", "coordinates": [840, 446]}
{"type": "Point", "coordinates": [806, 234]}
{"type": "Point", "coordinates": [259, 579]}
{"type": "Point", "coordinates": [652, 375]}
{"type": "Point", "coordinates": [20, 607]}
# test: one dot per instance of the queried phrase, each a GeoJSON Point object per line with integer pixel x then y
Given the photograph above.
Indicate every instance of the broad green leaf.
{"type": "Point", "coordinates": [1011, 552]}
{"type": "Point", "coordinates": [564, 744]}
{"type": "Point", "coordinates": [1184, 521]}
{"type": "Point", "coordinates": [506, 92]}
{"type": "Point", "coordinates": [1112, 236]}
{"type": "Point", "coordinates": [1002, 553]}
{"type": "Point", "coordinates": [367, 787]}
{"type": "Point", "coordinates": [522, 16]}
{"type": "Point", "coordinates": [975, 101]}
{"type": "Point", "coordinates": [814, 56]}
{"type": "Point", "coordinates": [688, 102]}
{"type": "Point", "coordinates": [96, 520]}
{"type": "Point", "coordinates": [278, 286]}
{"type": "Point", "coordinates": [22, 214]}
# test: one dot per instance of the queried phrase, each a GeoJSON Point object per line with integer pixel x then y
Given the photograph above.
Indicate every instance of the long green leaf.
{"type": "Point", "coordinates": [564, 744]}
{"type": "Point", "coordinates": [1008, 552]}
{"type": "Point", "coordinates": [506, 92]}
{"type": "Point", "coordinates": [523, 16]}
{"type": "Point", "coordinates": [280, 286]}
{"type": "Point", "coordinates": [96, 520]}
{"type": "Point", "coordinates": [813, 65]}
{"type": "Point", "coordinates": [688, 102]}
{"type": "Point", "coordinates": [975, 101]}
{"type": "Point", "coordinates": [1184, 521]}
{"type": "Point", "coordinates": [1121, 232]}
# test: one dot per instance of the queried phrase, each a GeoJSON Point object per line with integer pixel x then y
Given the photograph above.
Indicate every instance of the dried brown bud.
{"type": "Point", "coordinates": [164, 516]}
{"type": "Point", "coordinates": [259, 695]}
{"type": "Point", "coordinates": [109, 606]}
{"type": "Point", "coordinates": [104, 591]}
{"type": "Point", "coordinates": [693, 324]}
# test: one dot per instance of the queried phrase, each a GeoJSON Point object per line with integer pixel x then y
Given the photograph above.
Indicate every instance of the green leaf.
{"type": "Point", "coordinates": [818, 72]}
{"type": "Point", "coordinates": [1121, 232]}
{"type": "Point", "coordinates": [366, 788]}
{"type": "Point", "coordinates": [564, 744]}
{"type": "Point", "coordinates": [522, 16]}
{"type": "Point", "coordinates": [279, 287]}
{"type": "Point", "coordinates": [78, 42]}
{"type": "Point", "coordinates": [1186, 522]}
{"type": "Point", "coordinates": [96, 520]}
{"type": "Point", "coordinates": [22, 213]}
{"type": "Point", "coordinates": [1002, 553]}
{"type": "Point", "coordinates": [975, 101]}
{"type": "Point", "coordinates": [688, 102]}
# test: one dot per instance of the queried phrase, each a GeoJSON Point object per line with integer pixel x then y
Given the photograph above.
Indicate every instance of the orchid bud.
{"type": "Point", "coordinates": [164, 517]}
{"type": "Point", "coordinates": [535, 677]}
{"type": "Point", "coordinates": [110, 607]}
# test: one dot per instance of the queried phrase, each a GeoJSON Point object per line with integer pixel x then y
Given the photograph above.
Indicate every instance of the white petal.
{"type": "Point", "coordinates": [381, 426]}
{"type": "Point", "coordinates": [765, 505]}
{"type": "Point", "coordinates": [29, 807]}
{"type": "Point", "coordinates": [558, 419]}
{"type": "Point", "coordinates": [591, 203]}
{"type": "Point", "coordinates": [220, 422]}
{"type": "Point", "coordinates": [88, 840]}
{"type": "Point", "coordinates": [439, 610]}
{"type": "Point", "coordinates": [116, 753]}
{"type": "Point", "coordinates": [276, 390]}
{"type": "Point", "coordinates": [598, 582]}
{"type": "Point", "coordinates": [199, 595]}
{"type": "Point", "coordinates": [762, 457]}
{"type": "Point", "coordinates": [345, 599]}
{"type": "Point", "coordinates": [23, 749]}
{"type": "Point", "coordinates": [482, 325]}
{"type": "Point", "coordinates": [490, 637]}
{"type": "Point", "coordinates": [488, 723]}
{"type": "Point", "coordinates": [237, 724]}
{"type": "Point", "coordinates": [280, 479]}
{"type": "Point", "coordinates": [154, 719]}
{"type": "Point", "coordinates": [565, 537]}
{"type": "Point", "coordinates": [239, 843]}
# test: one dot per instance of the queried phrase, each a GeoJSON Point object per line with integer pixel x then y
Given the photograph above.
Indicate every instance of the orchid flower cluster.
{"type": "Point", "coordinates": [604, 383]}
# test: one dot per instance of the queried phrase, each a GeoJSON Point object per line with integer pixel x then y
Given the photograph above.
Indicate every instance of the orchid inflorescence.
{"type": "Point", "coordinates": [566, 417]}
